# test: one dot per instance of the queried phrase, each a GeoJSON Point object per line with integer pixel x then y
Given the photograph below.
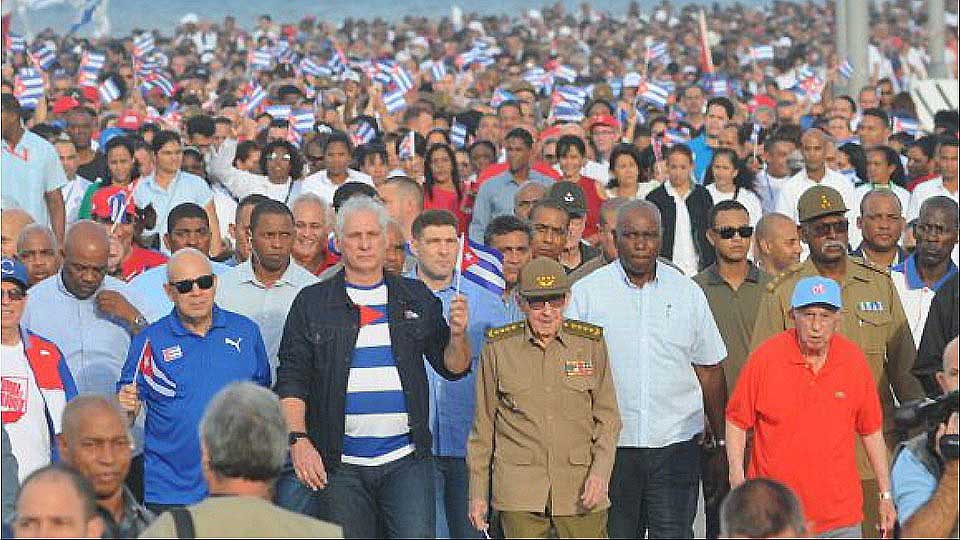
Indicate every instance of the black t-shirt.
{"type": "Point", "coordinates": [97, 168]}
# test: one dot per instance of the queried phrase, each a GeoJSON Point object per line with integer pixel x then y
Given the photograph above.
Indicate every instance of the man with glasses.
{"type": "Point", "coordinates": [547, 421]}
{"type": "Point", "coordinates": [873, 316]}
{"type": "Point", "coordinates": [529, 193]}
{"type": "Point", "coordinates": [36, 381]}
{"type": "Point", "coordinates": [733, 286]}
{"type": "Point", "coordinates": [175, 366]}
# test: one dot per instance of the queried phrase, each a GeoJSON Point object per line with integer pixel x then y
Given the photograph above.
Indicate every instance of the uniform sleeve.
{"type": "Point", "coordinates": [606, 415]}
{"type": "Point", "coordinates": [262, 375]}
{"type": "Point", "coordinates": [901, 352]}
{"type": "Point", "coordinates": [53, 176]}
{"type": "Point", "coordinates": [294, 371]}
{"type": "Point", "coordinates": [742, 405]}
{"type": "Point", "coordinates": [912, 483]}
{"type": "Point", "coordinates": [770, 319]}
{"type": "Point", "coordinates": [708, 347]}
{"type": "Point", "coordinates": [869, 415]}
{"type": "Point", "coordinates": [480, 442]}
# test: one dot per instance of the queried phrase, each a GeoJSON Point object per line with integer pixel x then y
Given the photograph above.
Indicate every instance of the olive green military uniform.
{"type": "Point", "coordinates": [546, 418]}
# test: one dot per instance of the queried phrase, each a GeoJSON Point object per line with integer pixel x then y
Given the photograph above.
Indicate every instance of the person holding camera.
{"type": "Point", "coordinates": [925, 470]}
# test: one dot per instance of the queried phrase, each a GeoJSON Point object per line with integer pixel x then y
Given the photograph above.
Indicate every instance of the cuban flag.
{"type": "Point", "coordinates": [362, 133]}
{"type": "Point", "coordinates": [566, 113]}
{"type": "Point", "coordinates": [566, 73]}
{"type": "Point", "coordinates": [152, 375]}
{"type": "Point", "coordinates": [337, 62]}
{"type": "Point", "coordinates": [761, 52]}
{"type": "Point", "coordinates": [15, 43]}
{"type": "Point", "coordinates": [310, 67]}
{"type": "Point", "coordinates": [109, 91]}
{"type": "Point", "coordinates": [85, 15]}
{"type": "Point", "coordinates": [846, 69]}
{"type": "Point", "coordinates": [156, 80]}
{"type": "Point", "coordinates": [394, 101]}
{"type": "Point", "coordinates": [657, 52]}
{"type": "Point", "coordinates": [719, 87]}
{"type": "Point", "coordinates": [408, 146]}
{"type": "Point", "coordinates": [44, 55]}
{"type": "Point", "coordinates": [539, 78]}
{"type": "Point", "coordinates": [654, 94]}
{"type": "Point", "coordinates": [143, 45]}
{"type": "Point", "coordinates": [28, 88]}
{"type": "Point", "coordinates": [302, 120]}
{"type": "Point", "coordinates": [438, 70]}
{"type": "Point", "coordinates": [254, 98]}
{"type": "Point", "coordinates": [93, 60]}
{"type": "Point", "coordinates": [906, 125]}
{"type": "Point", "coordinates": [482, 265]}
{"type": "Point", "coordinates": [260, 60]}
{"type": "Point", "coordinates": [279, 112]}
{"type": "Point", "coordinates": [676, 136]}
{"type": "Point", "coordinates": [458, 134]}
{"type": "Point", "coordinates": [570, 96]}
{"type": "Point", "coordinates": [87, 77]}
{"type": "Point", "coordinates": [402, 78]}
{"type": "Point", "coordinates": [500, 95]}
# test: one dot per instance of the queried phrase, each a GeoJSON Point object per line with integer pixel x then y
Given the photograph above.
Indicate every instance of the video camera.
{"type": "Point", "coordinates": [930, 413]}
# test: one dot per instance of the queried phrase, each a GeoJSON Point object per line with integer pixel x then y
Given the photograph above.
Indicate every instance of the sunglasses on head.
{"type": "Point", "coordinates": [539, 304]}
{"type": "Point", "coordinates": [186, 285]}
{"type": "Point", "coordinates": [728, 232]}
{"type": "Point", "coordinates": [823, 229]}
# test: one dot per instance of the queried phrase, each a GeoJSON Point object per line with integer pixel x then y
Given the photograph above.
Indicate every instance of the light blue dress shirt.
{"type": "Point", "coordinates": [495, 198]}
{"type": "Point", "coordinates": [241, 292]}
{"type": "Point", "coordinates": [912, 484]}
{"type": "Point", "coordinates": [452, 402]}
{"type": "Point", "coordinates": [185, 187]}
{"type": "Point", "coordinates": [29, 171]}
{"type": "Point", "coordinates": [147, 295]}
{"type": "Point", "coordinates": [702, 156]}
{"type": "Point", "coordinates": [94, 345]}
{"type": "Point", "coordinates": [654, 334]}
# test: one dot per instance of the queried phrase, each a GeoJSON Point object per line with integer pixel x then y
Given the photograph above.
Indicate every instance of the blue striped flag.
{"type": "Point", "coordinates": [482, 265]}
{"type": "Point", "coordinates": [85, 15]}
{"type": "Point", "coordinates": [761, 52]}
{"type": "Point", "coordinates": [302, 120]}
{"type": "Point", "coordinates": [570, 96]}
{"type": "Point", "coordinates": [394, 101]}
{"type": "Point", "coordinates": [310, 67]}
{"type": "Point", "coordinates": [260, 60]}
{"type": "Point", "coordinates": [28, 88]}
{"type": "Point", "coordinates": [565, 72]}
{"type": "Point", "coordinates": [458, 134]}
{"type": "Point", "coordinates": [362, 133]}
{"type": "Point", "coordinates": [402, 78]}
{"type": "Point", "coordinates": [143, 45]}
{"type": "Point", "coordinates": [279, 112]}
{"type": "Point", "coordinates": [16, 44]}
{"type": "Point", "coordinates": [408, 146]}
{"type": "Point", "coordinates": [500, 95]}
{"type": "Point", "coordinates": [44, 55]}
{"type": "Point", "coordinates": [846, 69]}
{"type": "Point", "coordinates": [109, 91]}
{"type": "Point", "coordinates": [654, 94]}
{"type": "Point", "coordinates": [657, 52]}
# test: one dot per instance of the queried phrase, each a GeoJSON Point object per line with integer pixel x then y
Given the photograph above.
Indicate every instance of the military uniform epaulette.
{"type": "Point", "coordinates": [775, 282]}
{"type": "Point", "coordinates": [872, 266]}
{"type": "Point", "coordinates": [507, 330]}
{"type": "Point", "coordinates": [583, 329]}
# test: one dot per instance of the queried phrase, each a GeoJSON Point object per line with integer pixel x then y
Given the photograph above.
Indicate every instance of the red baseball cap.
{"type": "Point", "coordinates": [604, 120]}
{"type": "Point", "coordinates": [130, 120]}
{"type": "Point", "coordinates": [106, 200]}
{"type": "Point", "coordinates": [64, 104]}
{"type": "Point", "coordinates": [552, 132]}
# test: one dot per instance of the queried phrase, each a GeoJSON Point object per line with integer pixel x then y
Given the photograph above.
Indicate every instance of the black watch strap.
{"type": "Point", "coordinates": [296, 436]}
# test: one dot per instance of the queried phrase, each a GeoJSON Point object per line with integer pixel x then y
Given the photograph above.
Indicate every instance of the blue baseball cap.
{"type": "Point", "coordinates": [816, 290]}
{"type": "Point", "coordinates": [15, 271]}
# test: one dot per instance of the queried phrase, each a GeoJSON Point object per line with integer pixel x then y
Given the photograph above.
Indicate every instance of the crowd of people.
{"type": "Point", "coordinates": [550, 274]}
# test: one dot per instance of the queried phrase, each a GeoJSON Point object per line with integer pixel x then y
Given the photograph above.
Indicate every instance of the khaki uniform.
{"type": "Point", "coordinates": [545, 419]}
{"type": "Point", "coordinates": [873, 318]}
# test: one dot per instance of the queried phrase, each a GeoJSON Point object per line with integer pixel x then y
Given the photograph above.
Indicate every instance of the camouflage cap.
{"type": "Point", "coordinates": [543, 277]}
{"type": "Point", "coordinates": [820, 201]}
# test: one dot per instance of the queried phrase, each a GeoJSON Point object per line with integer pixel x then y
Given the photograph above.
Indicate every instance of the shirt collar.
{"type": "Point", "coordinates": [626, 279]}
{"type": "Point", "coordinates": [912, 274]}
{"type": "Point", "coordinates": [63, 287]}
{"type": "Point", "coordinates": [714, 277]}
{"type": "Point", "coordinates": [247, 275]}
{"type": "Point", "coordinates": [176, 325]}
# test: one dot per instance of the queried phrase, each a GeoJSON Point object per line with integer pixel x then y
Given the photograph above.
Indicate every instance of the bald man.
{"type": "Point", "coordinates": [12, 222]}
{"type": "Point", "coordinates": [526, 196]}
{"type": "Point", "coordinates": [776, 244]}
{"type": "Point", "coordinates": [814, 145]}
{"type": "Point", "coordinates": [38, 250]}
{"type": "Point", "coordinates": [176, 365]}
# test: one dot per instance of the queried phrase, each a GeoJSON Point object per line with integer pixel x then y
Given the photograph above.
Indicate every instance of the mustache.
{"type": "Point", "coordinates": [834, 244]}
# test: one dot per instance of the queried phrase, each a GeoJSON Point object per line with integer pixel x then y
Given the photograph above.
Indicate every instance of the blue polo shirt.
{"type": "Point", "coordinates": [177, 374]}
{"type": "Point", "coordinates": [452, 402]}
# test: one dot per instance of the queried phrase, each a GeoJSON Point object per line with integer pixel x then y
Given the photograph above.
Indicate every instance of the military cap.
{"type": "Point", "coordinates": [820, 201]}
{"type": "Point", "coordinates": [543, 277]}
{"type": "Point", "coordinates": [570, 196]}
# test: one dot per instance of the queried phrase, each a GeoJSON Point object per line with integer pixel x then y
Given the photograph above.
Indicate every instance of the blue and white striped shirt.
{"type": "Point", "coordinates": [376, 426]}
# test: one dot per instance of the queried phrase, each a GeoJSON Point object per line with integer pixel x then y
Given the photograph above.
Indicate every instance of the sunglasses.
{"type": "Point", "coordinates": [14, 295]}
{"type": "Point", "coordinates": [125, 219]}
{"type": "Point", "coordinates": [823, 229]}
{"type": "Point", "coordinates": [284, 157]}
{"type": "Point", "coordinates": [186, 285]}
{"type": "Point", "coordinates": [728, 232]}
{"type": "Point", "coordinates": [556, 302]}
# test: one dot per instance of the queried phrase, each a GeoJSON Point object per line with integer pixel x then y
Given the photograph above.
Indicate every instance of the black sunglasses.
{"type": "Point", "coordinates": [539, 304]}
{"type": "Point", "coordinates": [186, 285]}
{"type": "Point", "coordinates": [728, 232]}
{"type": "Point", "coordinates": [823, 229]}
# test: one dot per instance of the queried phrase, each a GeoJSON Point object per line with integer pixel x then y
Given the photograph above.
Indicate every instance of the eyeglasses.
{"type": "Point", "coordinates": [186, 285]}
{"type": "Point", "coordinates": [14, 295]}
{"type": "Point", "coordinates": [540, 304]}
{"type": "Point", "coordinates": [824, 229]}
{"type": "Point", "coordinates": [728, 232]}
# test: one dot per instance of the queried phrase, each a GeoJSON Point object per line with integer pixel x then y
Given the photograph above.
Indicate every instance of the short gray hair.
{"type": "Point", "coordinates": [79, 406]}
{"type": "Point", "coordinates": [244, 433]}
{"type": "Point", "coordinates": [357, 204]}
{"type": "Point", "coordinates": [37, 228]}
{"type": "Point", "coordinates": [638, 205]}
{"type": "Point", "coordinates": [309, 197]}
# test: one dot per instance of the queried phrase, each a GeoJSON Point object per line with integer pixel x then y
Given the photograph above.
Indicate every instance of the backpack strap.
{"type": "Point", "coordinates": [183, 521]}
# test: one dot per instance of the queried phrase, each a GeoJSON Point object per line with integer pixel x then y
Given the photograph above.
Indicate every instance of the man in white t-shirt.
{"type": "Point", "coordinates": [814, 146]}
{"type": "Point", "coordinates": [336, 158]}
{"type": "Point", "coordinates": [36, 383]}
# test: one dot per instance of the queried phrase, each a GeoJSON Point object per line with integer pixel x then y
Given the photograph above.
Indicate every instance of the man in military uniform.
{"type": "Point", "coordinates": [873, 317]}
{"type": "Point", "coordinates": [546, 421]}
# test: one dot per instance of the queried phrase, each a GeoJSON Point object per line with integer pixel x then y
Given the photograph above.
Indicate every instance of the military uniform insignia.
{"type": "Point", "coordinates": [501, 332]}
{"type": "Point", "coordinates": [825, 202]}
{"type": "Point", "coordinates": [546, 280]}
{"type": "Point", "coordinates": [871, 306]}
{"type": "Point", "coordinates": [583, 329]}
{"type": "Point", "coordinates": [578, 368]}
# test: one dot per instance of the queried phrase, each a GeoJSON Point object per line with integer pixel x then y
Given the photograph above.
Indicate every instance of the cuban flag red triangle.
{"type": "Point", "coordinates": [371, 315]}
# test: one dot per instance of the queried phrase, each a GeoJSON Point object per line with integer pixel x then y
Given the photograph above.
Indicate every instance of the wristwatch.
{"type": "Point", "coordinates": [886, 496]}
{"type": "Point", "coordinates": [296, 436]}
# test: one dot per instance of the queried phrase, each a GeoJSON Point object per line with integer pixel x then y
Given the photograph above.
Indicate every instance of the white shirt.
{"type": "Point", "coordinates": [743, 196]}
{"type": "Point", "coordinates": [73, 192]}
{"type": "Point", "coordinates": [793, 189]}
{"type": "Point", "coordinates": [684, 252]}
{"type": "Point", "coordinates": [226, 207]}
{"type": "Point", "coordinates": [241, 183]}
{"type": "Point", "coordinates": [769, 189]}
{"type": "Point", "coordinates": [930, 188]}
{"type": "Point", "coordinates": [319, 183]}
{"type": "Point", "coordinates": [24, 412]}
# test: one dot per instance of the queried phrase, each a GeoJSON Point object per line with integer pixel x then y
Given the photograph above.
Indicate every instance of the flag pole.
{"type": "Point", "coordinates": [459, 267]}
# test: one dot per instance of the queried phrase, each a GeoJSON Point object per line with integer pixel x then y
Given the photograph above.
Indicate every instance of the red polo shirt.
{"type": "Point", "coordinates": [139, 261]}
{"type": "Point", "coordinates": [805, 424]}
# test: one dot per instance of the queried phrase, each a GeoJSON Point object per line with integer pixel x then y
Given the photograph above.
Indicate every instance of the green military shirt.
{"type": "Point", "coordinates": [873, 318]}
{"type": "Point", "coordinates": [735, 312]}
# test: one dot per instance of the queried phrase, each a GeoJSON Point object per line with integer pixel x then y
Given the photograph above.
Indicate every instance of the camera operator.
{"type": "Point", "coordinates": [924, 479]}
